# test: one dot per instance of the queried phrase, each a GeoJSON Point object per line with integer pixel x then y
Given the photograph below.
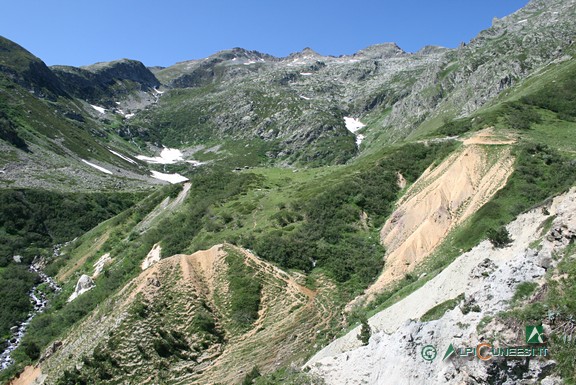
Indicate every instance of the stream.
{"type": "Point", "coordinates": [39, 302]}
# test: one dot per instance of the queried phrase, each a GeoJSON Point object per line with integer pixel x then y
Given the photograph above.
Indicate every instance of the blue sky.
{"type": "Point", "coordinates": [163, 32]}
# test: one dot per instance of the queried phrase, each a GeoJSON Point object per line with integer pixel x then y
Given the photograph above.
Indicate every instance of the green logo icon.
{"type": "Point", "coordinates": [429, 352]}
{"type": "Point", "coordinates": [535, 334]}
{"type": "Point", "coordinates": [449, 352]}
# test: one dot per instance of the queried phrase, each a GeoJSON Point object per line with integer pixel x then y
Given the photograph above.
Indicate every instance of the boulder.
{"type": "Point", "coordinates": [51, 350]}
{"type": "Point", "coordinates": [84, 284]}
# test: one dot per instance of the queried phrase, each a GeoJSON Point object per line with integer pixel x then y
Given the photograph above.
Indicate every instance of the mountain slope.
{"type": "Point", "coordinates": [488, 278]}
{"type": "Point", "coordinates": [50, 139]}
{"type": "Point", "coordinates": [176, 322]}
{"type": "Point", "coordinates": [23, 68]}
{"type": "Point", "coordinates": [439, 201]}
{"type": "Point", "coordinates": [213, 315]}
{"type": "Point", "coordinates": [107, 83]}
{"type": "Point", "coordinates": [296, 104]}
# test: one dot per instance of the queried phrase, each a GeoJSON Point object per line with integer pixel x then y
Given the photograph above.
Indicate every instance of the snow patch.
{"type": "Point", "coordinates": [172, 178]}
{"type": "Point", "coordinates": [168, 156]}
{"type": "Point", "coordinates": [353, 125]}
{"type": "Point", "coordinates": [97, 167]}
{"type": "Point", "coordinates": [522, 21]}
{"type": "Point", "coordinates": [122, 156]}
{"type": "Point", "coordinates": [305, 73]}
{"type": "Point", "coordinates": [128, 116]}
{"type": "Point", "coordinates": [101, 110]}
{"type": "Point", "coordinates": [304, 97]}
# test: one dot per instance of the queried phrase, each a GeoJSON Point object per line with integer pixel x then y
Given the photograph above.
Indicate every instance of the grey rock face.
{"type": "Point", "coordinates": [298, 102]}
{"type": "Point", "coordinates": [106, 83]}
{"type": "Point", "coordinates": [84, 284]}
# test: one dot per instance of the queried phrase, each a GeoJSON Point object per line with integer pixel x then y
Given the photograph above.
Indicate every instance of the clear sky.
{"type": "Point", "coordinates": [163, 32]}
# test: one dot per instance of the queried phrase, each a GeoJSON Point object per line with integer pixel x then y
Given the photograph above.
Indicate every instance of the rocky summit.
{"type": "Point", "coordinates": [385, 217]}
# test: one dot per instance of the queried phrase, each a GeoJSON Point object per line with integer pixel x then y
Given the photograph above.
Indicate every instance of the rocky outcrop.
{"type": "Point", "coordinates": [100, 264]}
{"type": "Point", "coordinates": [498, 58]}
{"type": "Point", "coordinates": [488, 278]}
{"type": "Point", "coordinates": [226, 64]}
{"type": "Point", "coordinates": [106, 83]}
{"type": "Point", "coordinates": [84, 284]}
{"type": "Point", "coordinates": [152, 257]}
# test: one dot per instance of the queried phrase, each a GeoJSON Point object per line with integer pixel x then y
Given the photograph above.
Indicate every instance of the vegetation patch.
{"type": "Point", "coordinates": [31, 221]}
{"type": "Point", "coordinates": [524, 290]}
{"type": "Point", "coordinates": [322, 227]}
{"type": "Point", "coordinates": [439, 310]}
{"type": "Point", "coordinates": [16, 282]}
{"type": "Point", "coordinates": [245, 291]}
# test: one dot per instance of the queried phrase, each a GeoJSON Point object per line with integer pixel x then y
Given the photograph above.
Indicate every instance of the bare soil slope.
{"type": "Point", "coordinates": [164, 306]}
{"type": "Point", "coordinates": [441, 199]}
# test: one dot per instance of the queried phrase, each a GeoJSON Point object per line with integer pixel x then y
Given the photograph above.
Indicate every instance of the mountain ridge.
{"type": "Point", "coordinates": [303, 171]}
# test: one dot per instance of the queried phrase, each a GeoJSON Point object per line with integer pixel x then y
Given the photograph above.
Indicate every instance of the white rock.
{"type": "Point", "coordinates": [100, 263]}
{"type": "Point", "coordinates": [152, 257]}
{"type": "Point", "coordinates": [84, 284]}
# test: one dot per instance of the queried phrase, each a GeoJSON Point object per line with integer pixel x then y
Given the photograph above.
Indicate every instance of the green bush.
{"type": "Point", "coordinates": [456, 127]}
{"type": "Point", "coordinates": [16, 281]}
{"type": "Point", "coordinates": [559, 96]}
{"type": "Point", "coordinates": [32, 350]}
{"type": "Point", "coordinates": [499, 237]}
{"type": "Point", "coordinates": [520, 116]}
{"type": "Point", "coordinates": [251, 376]}
{"type": "Point", "coordinates": [365, 331]}
{"type": "Point", "coordinates": [34, 219]}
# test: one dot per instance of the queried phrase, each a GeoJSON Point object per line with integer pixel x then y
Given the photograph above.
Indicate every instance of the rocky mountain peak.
{"type": "Point", "coordinates": [306, 53]}
{"type": "Point", "coordinates": [238, 54]}
{"type": "Point", "coordinates": [124, 69]}
{"type": "Point", "coordinates": [381, 51]}
{"type": "Point", "coordinates": [432, 49]}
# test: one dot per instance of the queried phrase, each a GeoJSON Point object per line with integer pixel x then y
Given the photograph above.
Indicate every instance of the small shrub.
{"type": "Point", "coordinates": [365, 331]}
{"type": "Point", "coordinates": [499, 238]}
{"type": "Point", "coordinates": [32, 350]}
